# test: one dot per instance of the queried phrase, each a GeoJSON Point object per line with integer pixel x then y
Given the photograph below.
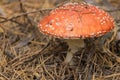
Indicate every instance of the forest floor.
{"type": "Point", "coordinates": [27, 54]}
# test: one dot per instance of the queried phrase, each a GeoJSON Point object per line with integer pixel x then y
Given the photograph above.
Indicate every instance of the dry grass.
{"type": "Point", "coordinates": [26, 54]}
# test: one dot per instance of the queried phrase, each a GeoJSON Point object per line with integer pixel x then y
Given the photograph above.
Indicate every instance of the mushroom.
{"type": "Point", "coordinates": [75, 22]}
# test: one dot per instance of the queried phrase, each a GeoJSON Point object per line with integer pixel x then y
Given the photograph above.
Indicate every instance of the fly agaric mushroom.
{"type": "Point", "coordinates": [74, 22]}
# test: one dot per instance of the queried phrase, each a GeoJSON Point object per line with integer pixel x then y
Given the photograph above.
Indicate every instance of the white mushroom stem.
{"type": "Point", "coordinates": [74, 46]}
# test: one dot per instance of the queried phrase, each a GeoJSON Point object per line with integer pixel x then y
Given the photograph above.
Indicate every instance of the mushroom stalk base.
{"type": "Point", "coordinates": [74, 46]}
{"type": "Point", "coordinates": [68, 57]}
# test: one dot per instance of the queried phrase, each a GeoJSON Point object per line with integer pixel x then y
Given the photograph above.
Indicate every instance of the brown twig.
{"type": "Point", "coordinates": [12, 20]}
{"type": "Point", "coordinates": [22, 14]}
{"type": "Point", "coordinates": [24, 11]}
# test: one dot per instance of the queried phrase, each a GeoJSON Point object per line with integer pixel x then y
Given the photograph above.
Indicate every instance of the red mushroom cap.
{"type": "Point", "coordinates": [76, 20]}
